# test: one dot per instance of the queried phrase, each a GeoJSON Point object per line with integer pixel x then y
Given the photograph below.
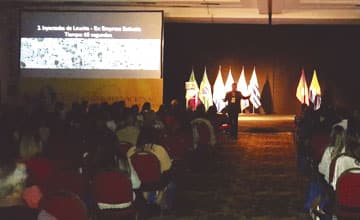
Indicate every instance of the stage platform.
{"type": "Point", "coordinates": [262, 117]}
{"type": "Point", "coordinates": [266, 123]}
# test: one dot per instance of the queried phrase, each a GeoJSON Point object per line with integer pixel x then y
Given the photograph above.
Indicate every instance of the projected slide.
{"type": "Point", "coordinates": [91, 44]}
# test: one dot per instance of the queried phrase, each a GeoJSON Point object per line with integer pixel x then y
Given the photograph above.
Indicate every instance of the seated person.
{"type": "Point", "coordinates": [148, 114]}
{"type": "Point", "coordinates": [335, 147]}
{"type": "Point", "coordinates": [346, 162]}
{"type": "Point", "coordinates": [130, 132]}
{"type": "Point", "coordinates": [12, 184]}
{"type": "Point", "coordinates": [201, 120]}
{"type": "Point", "coordinates": [146, 142]}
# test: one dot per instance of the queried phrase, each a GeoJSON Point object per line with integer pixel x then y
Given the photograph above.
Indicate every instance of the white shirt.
{"type": "Point", "coordinates": [212, 140]}
{"type": "Point", "coordinates": [324, 165]}
{"type": "Point", "coordinates": [343, 163]}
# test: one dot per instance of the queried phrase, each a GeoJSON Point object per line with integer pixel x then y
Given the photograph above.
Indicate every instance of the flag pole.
{"type": "Point", "coordinates": [304, 96]}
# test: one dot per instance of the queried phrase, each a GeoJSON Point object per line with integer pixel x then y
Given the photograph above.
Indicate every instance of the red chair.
{"type": "Point", "coordinates": [224, 128]}
{"type": "Point", "coordinates": [39, 169]}
{"type": "Point", "coordinates": [147, 166]}
{"type": "Point", "coordinates": [204, 134]}
{"type": "Point", "coordinates": [64, 206]}
{"type": "Point", "coordinates": [347, 203]}
{"type": "Point", "coordinates": [177, 145]}
{"type": "Point", "coordinates": [113, 188]}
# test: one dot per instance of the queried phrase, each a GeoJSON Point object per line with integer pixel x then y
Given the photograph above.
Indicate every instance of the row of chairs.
{"type": "Point", "coordinates": [347, 193]}
{"type": "Point", "coordinates": [108, 188]}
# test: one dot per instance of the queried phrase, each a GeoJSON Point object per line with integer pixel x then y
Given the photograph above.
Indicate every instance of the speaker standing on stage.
{"type": "Point", "coordinates": [233, 108]}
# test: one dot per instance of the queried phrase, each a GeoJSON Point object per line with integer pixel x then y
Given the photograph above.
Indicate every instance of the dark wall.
{"type": "Point", "coordinates": [278, 52]}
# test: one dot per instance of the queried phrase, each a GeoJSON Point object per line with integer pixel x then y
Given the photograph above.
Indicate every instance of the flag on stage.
{"type": "Point", "coordinates": [254, 90]}
{"type": "Point", "coordinates": [243, 88]}
{"type": "Point", "coordinates": [219, 92]}
{"type": "Point", "coordinates": [315, 92]}
{"type": "Point", "coordinates": [229, 82]}
{"type": "Point", "coordinates": [190, 93]}
{"type": "Point", "coordinates": [205, 91]}
{"type": "Point", "coordinates": [302, 91]}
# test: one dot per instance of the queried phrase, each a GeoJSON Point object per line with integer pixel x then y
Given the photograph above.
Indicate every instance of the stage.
{"type": "Point", "coordinates": [266, 123]}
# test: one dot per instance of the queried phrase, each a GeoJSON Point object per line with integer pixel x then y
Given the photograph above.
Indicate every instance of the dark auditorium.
{"type": "Point", "coordinates": [179, 110]}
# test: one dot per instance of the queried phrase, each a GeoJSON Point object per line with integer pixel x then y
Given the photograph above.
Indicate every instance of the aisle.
{"type": "Point", "coordinates": [253, 177]}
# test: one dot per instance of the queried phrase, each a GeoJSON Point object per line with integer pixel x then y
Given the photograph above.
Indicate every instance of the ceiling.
{"type": "Point", "coordinates": [226, 11]}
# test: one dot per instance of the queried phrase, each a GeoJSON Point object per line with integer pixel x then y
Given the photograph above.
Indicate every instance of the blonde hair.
{"type": "Point", "coordinates": [29, 147]}
{"type": "Point", "coordinates": [338, 141]}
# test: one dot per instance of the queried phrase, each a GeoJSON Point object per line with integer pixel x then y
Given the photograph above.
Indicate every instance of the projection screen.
{"type": "Point", "coordinates": [88, 44]}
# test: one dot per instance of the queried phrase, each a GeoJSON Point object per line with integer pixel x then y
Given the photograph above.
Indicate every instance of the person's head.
{"type": "Point", "coordinates": [234, 87]}
{"type": "Point", "coordinates": [174, 102]}
{"type": "Point", "coordinates": [200, 110]}
{"type": "Point", "coordinates": [147, 135]}
{"type": "Point", "coordinates": [212, 110]}
{"type": "Point", "coordinates": [337, 136]}
{"type": "Point", "coordinates": [146, 107]}
{"type": "Point", "coordinates": [29, 146]}
{"type": "Point", "coordinates": [337, 140]}
{"type": "Point", "coordinates": [134, 109]}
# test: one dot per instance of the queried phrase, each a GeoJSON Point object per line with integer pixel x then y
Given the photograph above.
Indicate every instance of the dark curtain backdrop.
{"type": "Point", "coordinates": [278, 52]}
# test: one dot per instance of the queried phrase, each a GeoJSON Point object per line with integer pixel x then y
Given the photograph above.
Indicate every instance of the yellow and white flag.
{"type": "Point", "coordinates": [302, 92]}
{"type": "Point", "coordinates": [315, 92]}
{"type": "Point", "coordinates": [205, 94]}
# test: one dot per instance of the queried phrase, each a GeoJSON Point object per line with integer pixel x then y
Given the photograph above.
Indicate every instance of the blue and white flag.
{"type": "Point", "coordinates": [254, 90]}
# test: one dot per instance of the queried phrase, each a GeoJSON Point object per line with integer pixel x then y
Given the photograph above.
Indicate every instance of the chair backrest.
{"type": "Point", "coordinates": [176, 145]}
{"type": "Point", "coordinates": [64, 206]}
{"type": "Point", "coordinates": [348, 194]}
{"type": "Point", "coordinates": [112, 187]}
{"type": "Point", "coordinates": [39, 169]}
{"type": "Point", "coordinates": [147, 166]}
{"type": "Point", "coordinates": [203, 132]}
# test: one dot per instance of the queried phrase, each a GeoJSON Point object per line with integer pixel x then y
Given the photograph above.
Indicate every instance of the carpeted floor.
{"type": "Point", "coordinates": [252, 178]}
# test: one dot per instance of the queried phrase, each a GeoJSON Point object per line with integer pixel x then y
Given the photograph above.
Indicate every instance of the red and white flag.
{"type": "Point", "coordinates": [302, 91]}
{"type": "Point", "coordinates": [315, 92]}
